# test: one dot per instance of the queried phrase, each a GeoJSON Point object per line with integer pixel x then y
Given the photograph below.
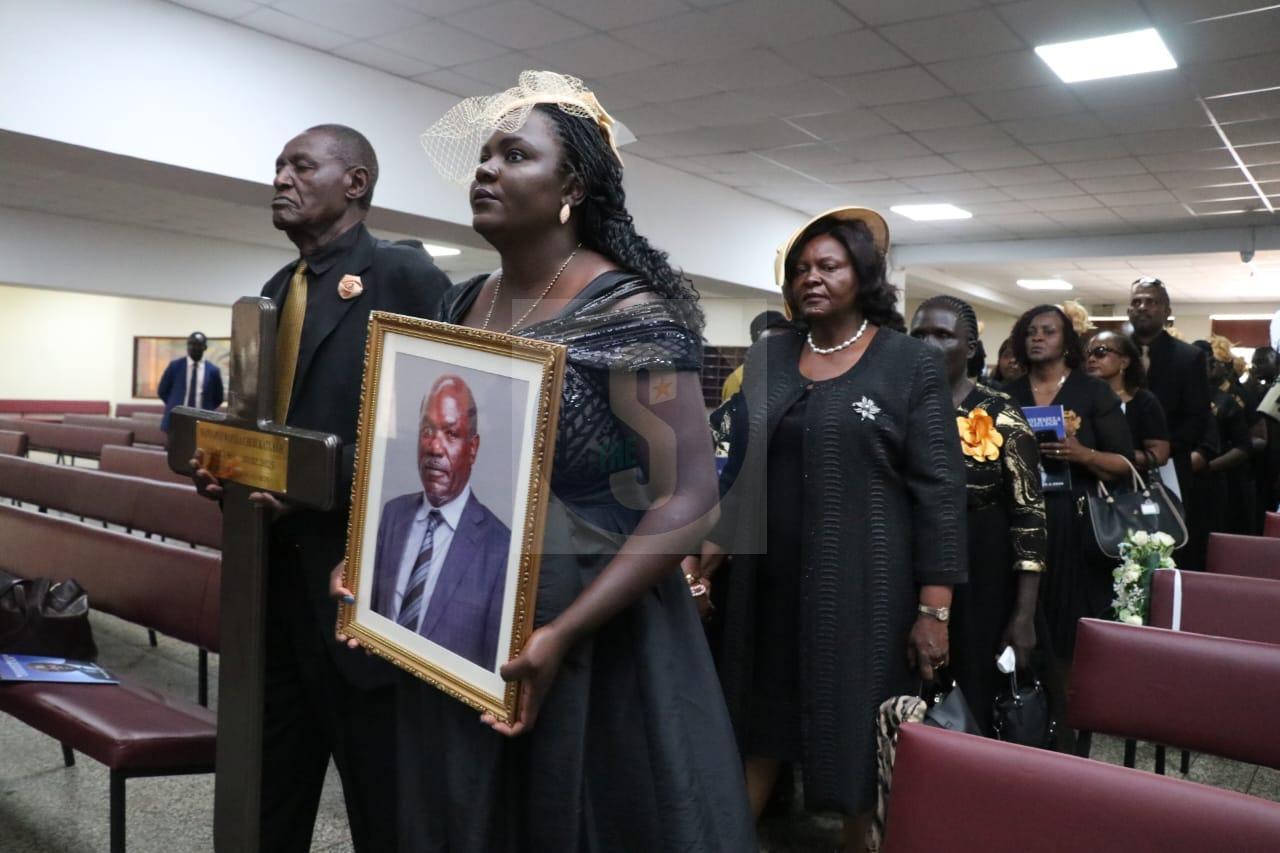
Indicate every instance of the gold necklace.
{"type": "Point", "coordinates": [1040, 390]}
{"type": "Point", "coordinates": [497, 290]}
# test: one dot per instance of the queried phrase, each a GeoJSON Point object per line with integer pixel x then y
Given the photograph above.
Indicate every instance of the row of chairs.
{"type": "Point", "coordinates": [1203, 676]}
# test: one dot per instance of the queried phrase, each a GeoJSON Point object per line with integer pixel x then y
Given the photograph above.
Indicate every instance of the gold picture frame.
{"type": "Point", "coordinates": [440, 625]}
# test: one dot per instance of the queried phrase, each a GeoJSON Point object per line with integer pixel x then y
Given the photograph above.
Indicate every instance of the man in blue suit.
{"type": "Point", "coordinates": [190, 381]}
{"type": "Point", "coordinates": [440, 566]}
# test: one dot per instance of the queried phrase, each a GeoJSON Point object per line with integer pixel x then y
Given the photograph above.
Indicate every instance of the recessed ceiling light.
{"type": "Point", "coordinates": [1044, 284]}
{"type": "Point", "coordinates": [440, 251]}
{"type": "Point", "coordinates": [931, 212]}
{"type": "Point", "coordinates": [1108, 56]}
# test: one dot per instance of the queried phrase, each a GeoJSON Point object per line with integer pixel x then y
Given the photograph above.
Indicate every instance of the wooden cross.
{"type": "Point", "coordinates": [248, 452]}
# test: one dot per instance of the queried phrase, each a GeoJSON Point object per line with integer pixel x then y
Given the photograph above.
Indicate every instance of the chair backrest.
{"type": "Point", "coordinates": [954, 791]}
{"type": "Point", "coordinates": [13, 443]}
{"type": "Point", "coordinates": [65, 438]}
{"type": "Point", "coordinates": [151, 506]}
{"type": "Point", "coordinates": [54, 407]}
{"type": "Point", "coordinates": [140, 462]}
{"type": "Point", "coordinates": [1208, 694]}
{"type": "Point", "coordinates": [1247, 556]}
{"type": "Point", "coordinates": [1271, 525]}
{"type": "Point", "coordinates": [128, 410]}
{"type": "Point", "coordinates": [172, 589]}
{"type": "Point", "coordinates": [1218, 605]}
{"type": "Point", "coordinates": [144, 432]}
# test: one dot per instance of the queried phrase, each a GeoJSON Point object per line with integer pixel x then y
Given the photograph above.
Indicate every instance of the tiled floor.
{"type": "Point", "coordinates": [46, 808]}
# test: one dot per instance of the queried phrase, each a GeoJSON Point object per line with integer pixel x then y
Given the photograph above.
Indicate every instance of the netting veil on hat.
{"type": "Point", "coordinates": [453, 143]}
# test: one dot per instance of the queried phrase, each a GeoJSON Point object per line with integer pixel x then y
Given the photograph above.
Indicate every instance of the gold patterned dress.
{"type": "Point", "coordinates": [1006, 536]}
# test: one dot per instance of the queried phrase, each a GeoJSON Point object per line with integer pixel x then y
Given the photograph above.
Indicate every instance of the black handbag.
{"type": "Point", "coordinates": [39, 617]}
{"type": "Point", "coordinates": [1022, 714]}
{"type": "Point", "coordinates": [1148, 507]}
{"type": "Point", "coordinates": [951, 711]}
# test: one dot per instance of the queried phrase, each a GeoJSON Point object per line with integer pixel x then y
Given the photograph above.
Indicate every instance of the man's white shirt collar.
{"type": "Point", "coordinates": [452, 511]}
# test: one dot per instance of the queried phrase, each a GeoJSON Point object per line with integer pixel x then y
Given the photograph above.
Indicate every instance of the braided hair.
{"type": "Point", "coordinates": [605, 226]}
{"type": "Point", "coordinates": [969, 318]}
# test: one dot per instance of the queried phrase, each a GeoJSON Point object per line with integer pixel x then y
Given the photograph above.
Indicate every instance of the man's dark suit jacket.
{"type": "Point", "coordinates": [326, 397]}
{"type": "Point", "coordinates": [172, 389]}
{"type": "Point", "coordinates": [465, 611]}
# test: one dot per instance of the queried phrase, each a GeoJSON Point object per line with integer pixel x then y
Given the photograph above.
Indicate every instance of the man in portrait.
{"type": "Point", "coordinates": [441, 560]}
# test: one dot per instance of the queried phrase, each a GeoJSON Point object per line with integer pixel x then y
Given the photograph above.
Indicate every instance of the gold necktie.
{"type": "Point", "coordinates": [1146, 357]}
{"type": "Point", "coordinates": [288, 337]}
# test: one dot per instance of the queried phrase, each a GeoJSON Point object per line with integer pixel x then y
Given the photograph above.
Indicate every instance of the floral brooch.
{"type": "Point", "coordinates": [867, 408]}
{"type": "Point", "coordinates": [979, 437]}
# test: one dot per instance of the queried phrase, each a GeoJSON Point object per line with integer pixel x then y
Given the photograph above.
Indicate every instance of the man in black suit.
{"type": "Point", "coordinates": [441, 562]}
{"type": "Point", "coordinates": [323, 699]}
{"type": "Point", "coordinates": [1176, 375]}
{"type": "Point", "coordinates": [190, 381]}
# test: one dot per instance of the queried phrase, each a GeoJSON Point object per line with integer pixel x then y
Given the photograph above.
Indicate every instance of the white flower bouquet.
{"type": "Point", "coordinates": [1141, 553]}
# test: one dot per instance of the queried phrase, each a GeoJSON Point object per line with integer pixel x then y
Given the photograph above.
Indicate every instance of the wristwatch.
{"type": "Point", "coordinates": [942, 614]}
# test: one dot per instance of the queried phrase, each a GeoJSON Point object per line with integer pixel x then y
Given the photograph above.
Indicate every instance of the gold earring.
{"type": "Point", "coordinates": [564, 213]}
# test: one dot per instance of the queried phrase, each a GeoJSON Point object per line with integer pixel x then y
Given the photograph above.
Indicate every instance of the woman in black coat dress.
{"type": "Point", "coordinates": [1114, 358]}
{"type": "Point", "coordinates": [846, 523]}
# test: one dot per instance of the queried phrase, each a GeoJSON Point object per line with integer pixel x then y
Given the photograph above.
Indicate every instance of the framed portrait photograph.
{"type": "Point", "coordinates": [453, 467]}
{"type": "Point", "coordinates": [152, 355]}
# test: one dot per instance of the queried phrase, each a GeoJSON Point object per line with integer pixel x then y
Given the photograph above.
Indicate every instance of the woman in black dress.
{"type": "Point", "coordinates": [1114, 358]}
{"type": "Point", "coordinates": [997, 607]}
{"type": "Point", "coordinates": [1097, 447]}
{"type": "Point", "coordinates": [622, 741]}
{"type": "Point", "coordinates": [846, 523]}
{"type": "Point", "coordinates": [1229, 471]}
{"type": "Point", "coordinates": [1007, 367]}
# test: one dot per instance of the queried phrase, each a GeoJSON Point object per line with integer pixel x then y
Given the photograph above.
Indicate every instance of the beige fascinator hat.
{"type": "Point", "coordinates": [875, 224]}
{"type": "Point", "coordinates": [453, 143]}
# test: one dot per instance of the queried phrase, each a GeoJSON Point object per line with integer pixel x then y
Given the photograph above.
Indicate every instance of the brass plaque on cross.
{"type": "Point", "coordinates": [243, 456]}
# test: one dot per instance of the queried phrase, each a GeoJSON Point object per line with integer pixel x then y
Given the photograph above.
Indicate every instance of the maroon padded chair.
{"type": "Point", "coordinates": [128, 410]}
{"type": "Point", "coordinates": [1247, 556]}
{"type": "Point", "coordinates": [1271, 525]}
{"type": "Point", "coordinates": [13, 443]}
{"type": "Point", "coordinates": [958, 792]}
{"type": "Point", "coordinates": [144, 431]}
{"type": "Point", "coordinates": [1208, 694]}
{"type": "Point", "coordinates": [66, 439]}
{"type": "Point", "coordinates": [1218, 605]}
{"type": "Point", "coordinates": [140, 462]}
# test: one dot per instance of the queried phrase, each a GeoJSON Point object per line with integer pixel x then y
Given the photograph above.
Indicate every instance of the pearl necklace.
{"type": "Point", "coordinates": [845, 345]}
{"type": "Point", "coordinates": [497, 291]}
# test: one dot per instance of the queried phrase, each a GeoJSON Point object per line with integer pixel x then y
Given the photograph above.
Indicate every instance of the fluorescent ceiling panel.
{"type": "Point", "coordinates": [1117, 55]}
{"type": "Point", "coordinates": [1044, 284]}
{"type": "Point", "coordinates": [931, 212]}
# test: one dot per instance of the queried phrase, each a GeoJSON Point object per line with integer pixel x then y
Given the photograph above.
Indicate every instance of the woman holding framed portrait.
{"type": "Point", "coordinates": [621, 739]}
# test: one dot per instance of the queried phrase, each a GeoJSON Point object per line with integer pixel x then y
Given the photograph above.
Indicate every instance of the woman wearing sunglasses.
{"type": "Point", "coordinates": [1114, 358]}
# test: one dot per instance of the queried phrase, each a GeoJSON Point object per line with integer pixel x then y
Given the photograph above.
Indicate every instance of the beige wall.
{"type": "Point", "coordinates": [57, 345]}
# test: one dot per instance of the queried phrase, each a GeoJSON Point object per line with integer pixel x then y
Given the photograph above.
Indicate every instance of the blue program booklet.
{"type": "Point", "coordinates": [35, 668]}
{"type": "Point", "coordinates": [1049, 424]}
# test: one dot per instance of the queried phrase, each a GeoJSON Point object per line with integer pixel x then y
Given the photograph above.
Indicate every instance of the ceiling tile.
{"type": "Point", "coordinates": [1171, 141]}
{"type": "Point", "coordinates": [1024, 223]}
{"type": "Point", "coordinates": [1209, 208]}
{"type": "Point", "coordinates": [1262, 173]}
{"type": "Point", "coordinates": [646, 119]}
{"type": "Point", "coordinates": [995, 158]}
{"type": "Point", "coordinates": [914, 167]}
{"type": "Point", "coordinates": [661, 84]}
{"type": "Point", "coordinates": [1200, 194]}
{"type": "Point", "coordinates": [1033, 131]}
{"type": "Point", "coordinates": [359, 19]}
{"type": "Point", "coordinates": [749, 69]}
{"type": "Point", "coordinates": [1136, 90]}
{"type": "Point", "coordinates": [1168, 116]}
{"type": "Point", "coordinates": [771, 133]}
{"type": "Point", "coordinates": [500, 72]}
{"type": "Point", "coordinates": [695, 35]}
{"type": "Point", "coordinates": [1051, 21]}
{"type": "Point", "coordinates": [1154, 213]}
{"type": "Point", "coordinates": [1011, 70]}
{"type": "Point", "coordinates": [773, 23]}
{"type": "Point", "coordinates": [878, 12]}
{"type": "Point", "coordinates": [1120, 184]}
{"type": "Point", "coordinates": [383, 59]}
{"type": "Point", "coordinates": [1245, 108]}
{"type": "Point", "coordinates": [1062, 203]}
{"type": "Point", "coordinates": [1102, 168]}
{"type": "Point", "coordinates": [983, 137]}
{"type": "Point", "coordinates": [804, 97]}
{"type": "Point", "coordinates": [454, 83]}
{"type": "Point", "coordinates": [931, 115]}
{"type": "Point", "coordinates": [999, 208]}
{"type": "Point", "coordinates": [592, 56]}
{"type": "Point", "coordinates": [1123, 199]}
{"type": "Point", "coordinates": [1097, 218]}
{"type": "Point", "coordinates": [1201, 178]}
{"type": "Point", "coordinates": [718, 109]}
{"type": "Point", "coordinates": [1082, 149]}
{"type": "Point", "coordinates": [1258, 155]}
{"type": "Point", "coordinates": [981, 195]}
{"type": "Point", "coordinates": [849, 124]}
{"type": "Point", "coordinates": [1238, 75]}
{"type": "Point", "coordinates": [296, 30]}
{"type": "Point", "coordinates": [220, 8]}
{"type": "Point", "coordinates": [896, 86]}
{"type": "Point", "coordinates": [1186, 11]}
{"type": "Point", "coordinates": [1028, 192]}
{"type": "Point", "coordinates": [969, 33]}
{"type": "Point", "coordinates": [1020, 176]}
{"type": "Point", "coordinates": [516, 24]}
{"type": "Point", "coordinates": [894, 146]}
{"type": "Point", "coordinates": [611, 14]}
{"type": "Point", "coordinates": [870, 189]}
{"type": "Point", "coordinates": [440, 8]}
{"type": "Point", "coordinates": [808, 156]}
{"type": "Point", "coordinates": [1253, 132]}
{"type": "Point", "coordinates": [1223, 40]}
{"type": "Point", "coordinates": [845, 53]}
{"type": "Point", "coordinates": [946, 183]}
{"type": "Point", "coordinates": [1026, 103]}
{"type": "Point", "coordinates": [440, 45]}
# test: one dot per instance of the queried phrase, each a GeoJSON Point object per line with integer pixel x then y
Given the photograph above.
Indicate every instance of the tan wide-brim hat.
{"type": "Point", "coordinates": [874, 221]}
